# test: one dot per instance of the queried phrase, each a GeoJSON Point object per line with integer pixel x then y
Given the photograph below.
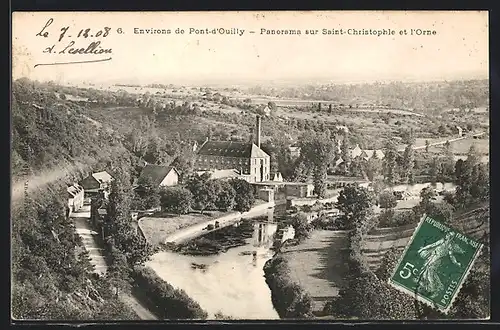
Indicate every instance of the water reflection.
{"type": "Point", "coordinates": [232, 283]}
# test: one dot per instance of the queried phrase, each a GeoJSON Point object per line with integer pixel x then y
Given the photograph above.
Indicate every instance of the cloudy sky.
{"type": "Point", "coordinates": [459, 49]}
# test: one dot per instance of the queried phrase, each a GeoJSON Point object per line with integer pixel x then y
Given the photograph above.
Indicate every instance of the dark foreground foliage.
{"type": "Point", "coordinates": [168, 302]}
{"type": "Point", "coordinates": [52, 277]}
{"type": "Point", "coordinates": [289, 299]}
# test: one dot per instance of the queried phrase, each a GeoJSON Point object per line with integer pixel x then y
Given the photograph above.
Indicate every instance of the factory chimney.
{"type": "Point", "coordinates": [257, 131]}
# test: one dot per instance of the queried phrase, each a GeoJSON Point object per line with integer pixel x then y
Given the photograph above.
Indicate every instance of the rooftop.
{"type": "Point", "coordinates": [220, 174]}
{"type": "Point", "coordinates": [102, 177]}
{"type": "Point", "coordinates": [155, 173]}
{"type": "Point", "coordinates": [232, 149]}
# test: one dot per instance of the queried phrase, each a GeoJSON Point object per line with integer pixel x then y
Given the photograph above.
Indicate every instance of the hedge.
{"type": "Point", "coordinates": [289, 299]}
{"type": "Point", "coordinates": [167, 301]}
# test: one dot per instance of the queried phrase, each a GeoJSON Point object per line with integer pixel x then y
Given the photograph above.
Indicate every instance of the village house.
{"type": "Point", "coordinates": [366, 154]}
{"type": "Point", "coordinates": [251, 162]}
{"type": "Point", "coordinates": [75, 198]}
{"type": "Point", "coordinates": [159, 176]}
{"type": "Point", "coordinates": [97, 183]}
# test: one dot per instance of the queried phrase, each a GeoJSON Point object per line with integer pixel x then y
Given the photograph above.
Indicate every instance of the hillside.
{"type": "Point", "coordinates": [52, 145]}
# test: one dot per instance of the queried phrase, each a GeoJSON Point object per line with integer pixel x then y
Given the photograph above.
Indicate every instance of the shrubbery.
{"type": "Point", "coordinates": [397, 219]}
{"type": "Point", "coordinates": [289, 299]}
{"type": "Point", "coordinates": [176, 200]}
{"type": "Point", "coordinates": [301, 226]}
{"type": "Point", "coordinates": [168, 302]}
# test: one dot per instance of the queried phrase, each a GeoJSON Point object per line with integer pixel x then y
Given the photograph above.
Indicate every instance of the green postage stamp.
{"type": "Point", "coordinates": [435, 264]}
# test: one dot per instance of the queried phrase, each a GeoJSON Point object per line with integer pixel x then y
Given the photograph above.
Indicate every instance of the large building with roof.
{"type": "Point", "coordinates": [251, 162]}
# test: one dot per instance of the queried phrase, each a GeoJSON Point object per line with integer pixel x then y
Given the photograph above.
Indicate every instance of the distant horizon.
{"type": "Point", "coordinates": [290, 82]}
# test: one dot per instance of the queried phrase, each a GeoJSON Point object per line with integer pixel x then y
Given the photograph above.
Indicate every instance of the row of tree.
{"type": "Point", "coordinates": [198, 193]}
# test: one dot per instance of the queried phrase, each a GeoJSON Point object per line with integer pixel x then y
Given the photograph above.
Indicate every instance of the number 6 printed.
{"type": "Point", "coordinates": [407, 271]}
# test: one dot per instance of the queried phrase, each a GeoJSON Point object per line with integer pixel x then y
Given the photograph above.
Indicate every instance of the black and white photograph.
{"type": "Point", "coordinates": [279, 165]}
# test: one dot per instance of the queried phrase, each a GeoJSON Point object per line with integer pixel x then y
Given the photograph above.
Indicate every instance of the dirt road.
{"type": "Point", "coordinates": [97, 259]}
{"type": "Point", "coordinates": [199, 229]}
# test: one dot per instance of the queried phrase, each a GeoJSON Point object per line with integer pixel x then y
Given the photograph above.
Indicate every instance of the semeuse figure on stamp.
{"type": "Point", "coordinates": [434, 254]}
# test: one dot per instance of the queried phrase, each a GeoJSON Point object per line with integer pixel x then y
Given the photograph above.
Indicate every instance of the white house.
{"type": "Point", "coordinates": [159, 176]}
{"type": "Point", "coordinates": [75, 197]}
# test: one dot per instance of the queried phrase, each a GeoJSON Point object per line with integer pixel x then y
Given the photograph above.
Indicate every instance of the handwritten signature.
{"type": "Point", "coordinates": [70, 46]}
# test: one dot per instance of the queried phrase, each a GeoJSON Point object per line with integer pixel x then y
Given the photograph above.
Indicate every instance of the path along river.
{"type": "Point", "coordinates": [233, 282]}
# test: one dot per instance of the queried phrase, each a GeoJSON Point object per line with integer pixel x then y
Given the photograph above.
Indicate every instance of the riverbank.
{"type": "Point", "coordinates": [219, 282]}
{"type": "Point", "coordinates": [168, 302]}
{"type": "Point", "coordinates": [220, 241]}
{"type": "Point", "coordinates": [198, 229]}
{"type": "Point", "coordinates": [289, 299]}
{"type": "Point", "coordinates": [158, 227]}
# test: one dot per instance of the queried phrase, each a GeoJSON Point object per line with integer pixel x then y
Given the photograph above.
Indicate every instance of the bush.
{"type": "Point", "coordinates": [405, 218]}
{"type": "Point", "coordinates": [386, 218]}
{"type": "Point", "coordinates": [301, 226]}
{"type": "Point", "coordinates": [176, 199]}
{"type": "Point", "coordinates": [168, 302]}
{"type": "Point", "coordinates": [289, 299]}
{"type": "Point", "coordinates": [440, 211]}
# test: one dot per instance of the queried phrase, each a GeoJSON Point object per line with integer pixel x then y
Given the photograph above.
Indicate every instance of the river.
{"type": "Point", "coordinates": [233, 282]}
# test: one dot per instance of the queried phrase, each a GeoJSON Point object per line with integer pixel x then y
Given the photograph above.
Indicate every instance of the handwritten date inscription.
{"type": "Point", "coordinates": [76, 44]}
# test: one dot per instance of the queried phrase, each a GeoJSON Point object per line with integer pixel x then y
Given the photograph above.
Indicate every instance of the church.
{"type": "Point", "coordinates": [251, 162]}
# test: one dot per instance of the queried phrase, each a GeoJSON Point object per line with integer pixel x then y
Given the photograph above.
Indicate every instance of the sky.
{"type": "Point", "coordinates": [458, 50]}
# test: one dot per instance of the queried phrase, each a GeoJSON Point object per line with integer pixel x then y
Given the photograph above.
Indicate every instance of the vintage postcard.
{"type": "Point", "coordinates": [250, 165]}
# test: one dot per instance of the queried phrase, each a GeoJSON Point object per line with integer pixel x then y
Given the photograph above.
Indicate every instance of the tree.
{"type": "Point", "coordinates": [118, 226]}
{"type": "Point", "coordinates": [387, 200]}
{"type": "Point", "coordinates": [466, 176]}
{"type": "Point", "coordinates": [440, 211]}
{"type": "Point", "coordinates": [408, 136]}
{"type": "Point", "coordinates": [427, 196]}
{"type": "Point", "coordinates": [447, 168]}
{"type": "Point", "coordinates": [184, 164]}
{"type": "Point", "coordinates": [225, 195]}
{"type": "Point", "coordinates": [434, 171]}
{"type": "Point", "coordinates": [355, 204]}
{"type": "Point", "coordinates": [203, 191]}
{"type": "Point", "coordinates": [301, 226]}
{"type": "Point", "coordinates": [442, 130]}
{"type": "Point", "coordinates": [149, 197]}
{"type": "Point", "coordinates": [317, 151]}
{"type": "Point", "coordinates": [480, 187]}
{"type": "Point", "coordinates": [272, 106]}
{"type": "Point", "coordinates": [176, 199]}
{"type": "Point", "coordinates": [244, 198]}
{"type": "Point", "coordinates": [118, 220]}
{"type": "Point", "coordinates": [118, 271]}
{"type": "Point", "coordinates": [345, 153]}
{"type": "Point", "coordinates": [408, 164]}
{"type": "Point", "coordinates": [390, 164]}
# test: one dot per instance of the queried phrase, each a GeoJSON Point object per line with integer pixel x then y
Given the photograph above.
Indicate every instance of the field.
{"type": "Point", "coordinates": [462, 147]}
{"type": "Point", "coordinates": [156, 228]}
{"type": "Point", "coordinates": [317, 265]}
